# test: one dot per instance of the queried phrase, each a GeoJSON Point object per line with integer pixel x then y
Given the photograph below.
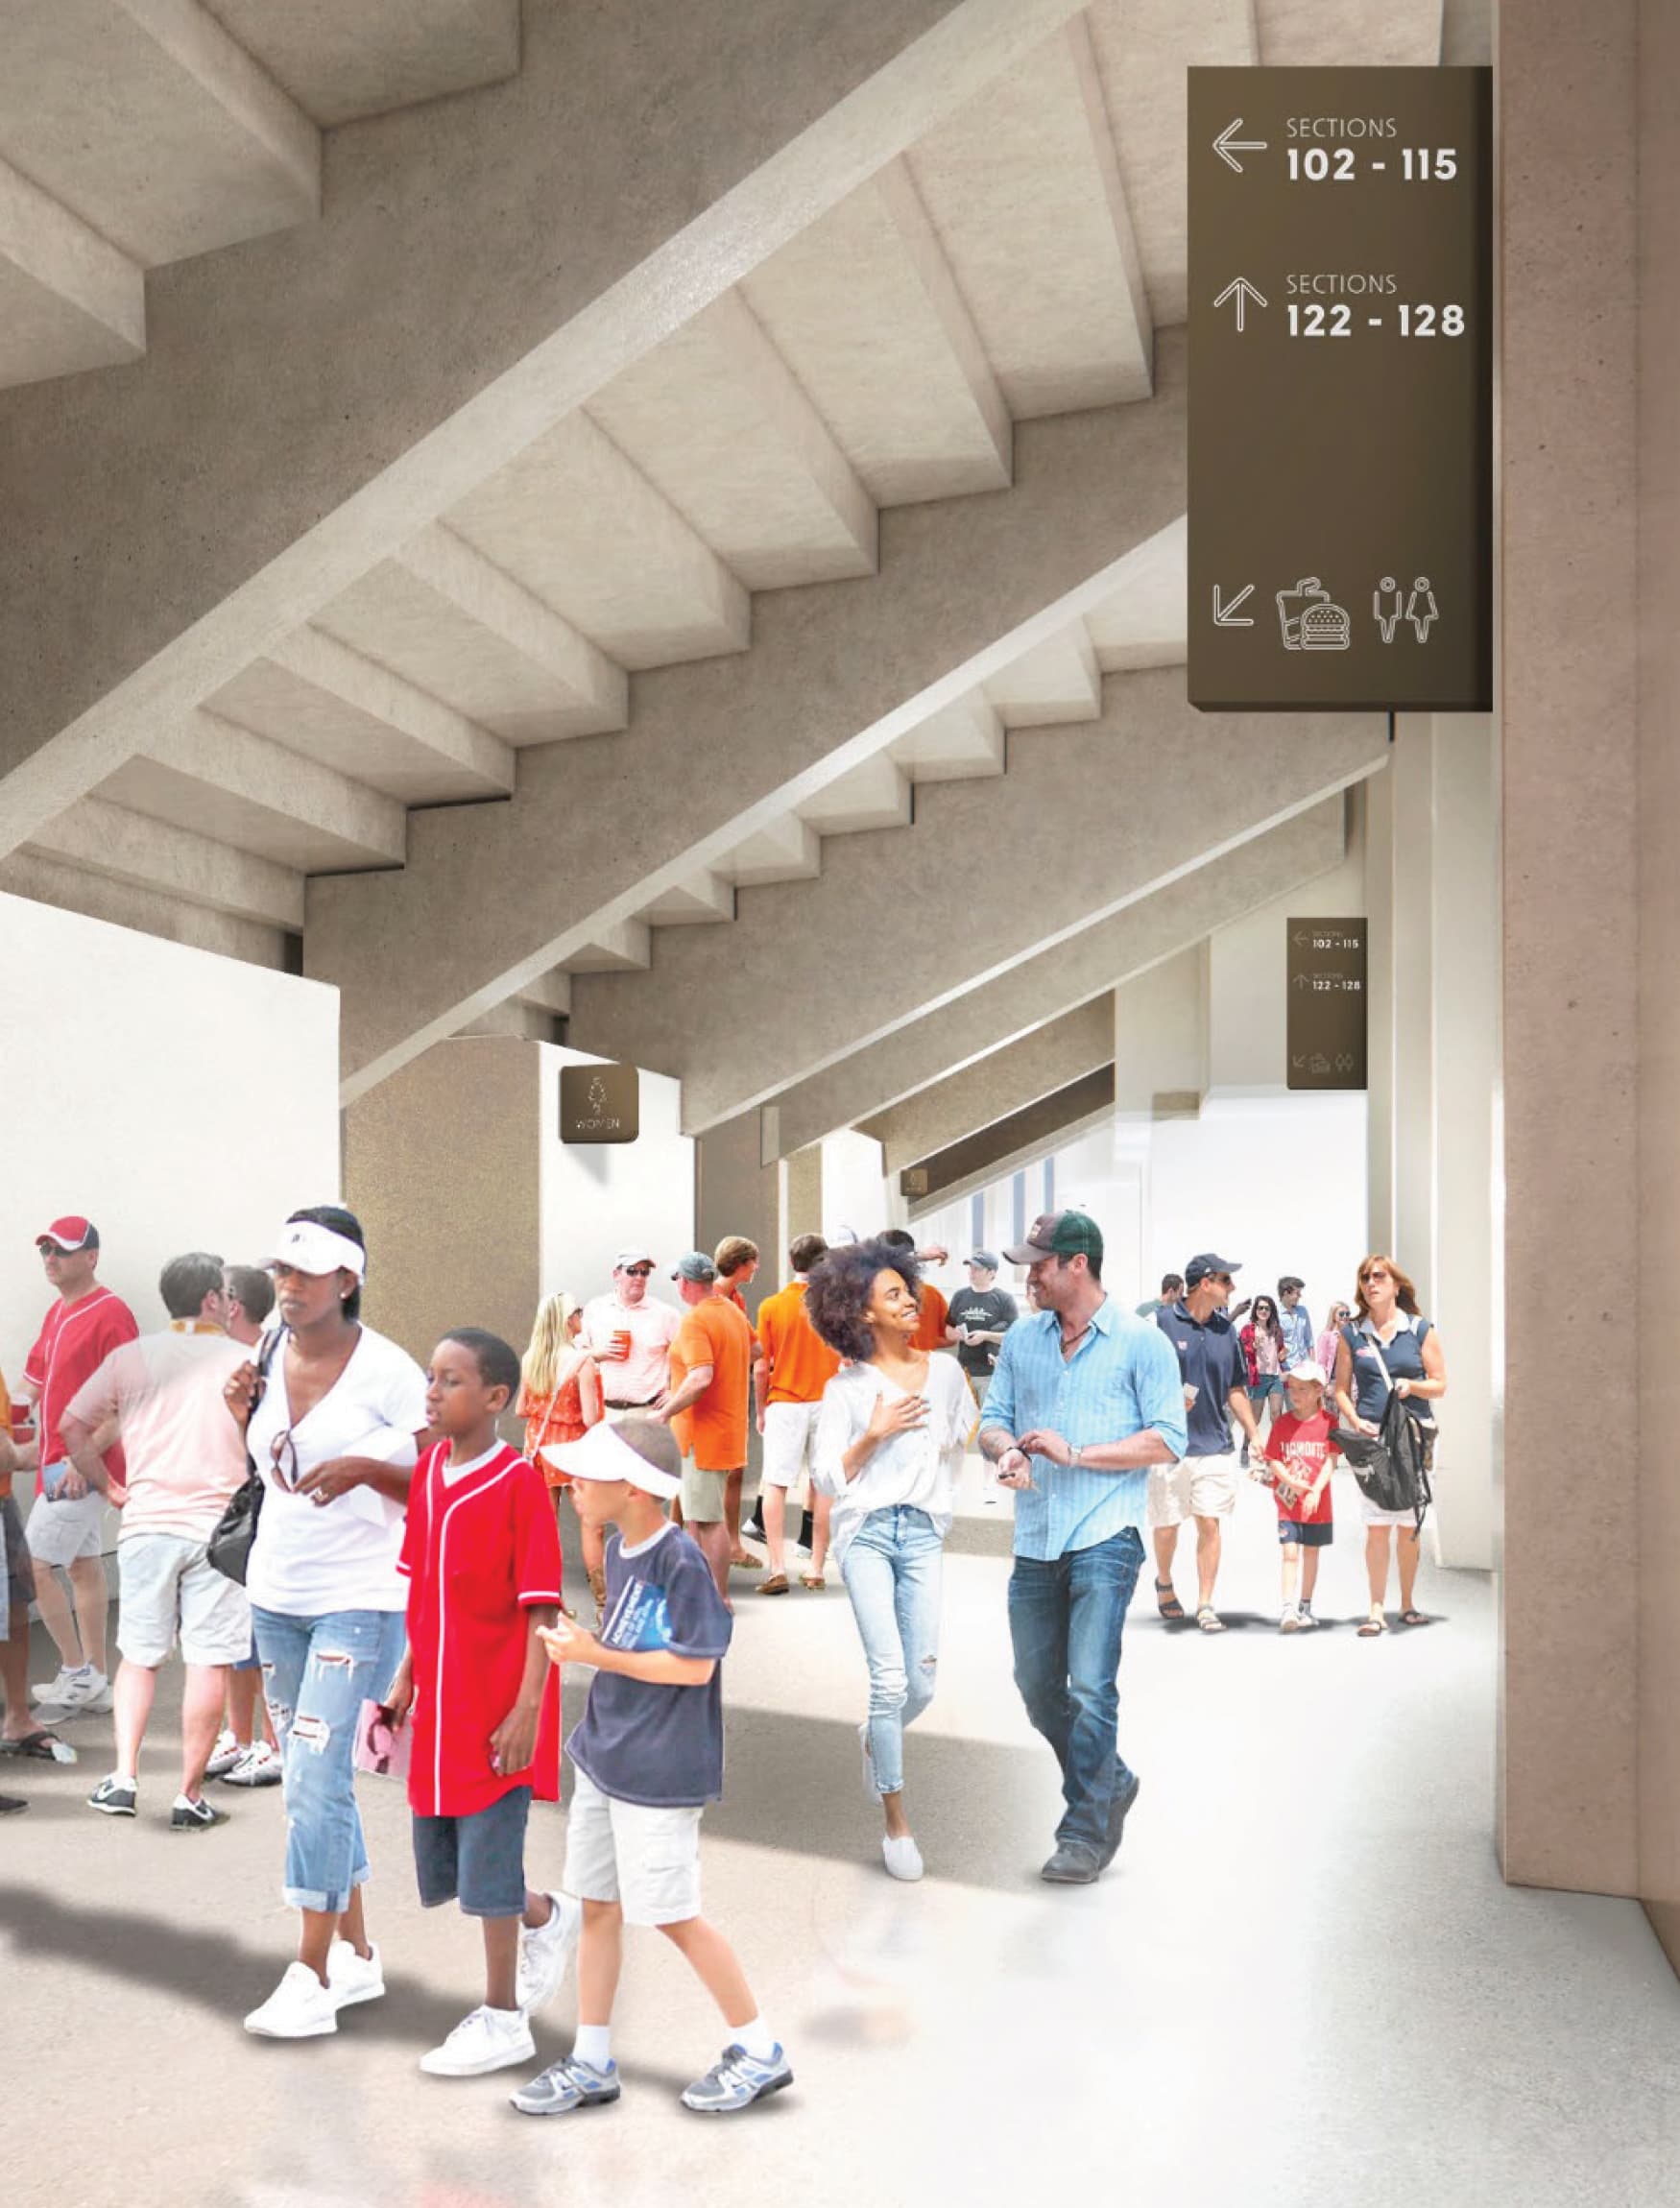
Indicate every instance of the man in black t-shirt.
{"type": "Point", "coordinates": [980, 1315]}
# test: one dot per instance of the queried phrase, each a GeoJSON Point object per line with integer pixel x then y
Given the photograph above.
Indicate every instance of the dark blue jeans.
{"type": "Point", "coordinates": [1066, 1616]}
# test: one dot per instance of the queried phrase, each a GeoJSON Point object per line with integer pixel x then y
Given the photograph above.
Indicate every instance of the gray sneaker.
{"type": "Point", "coordinates": [194, 1816]}
{"type": "Point", "coordinates": [735, 2080]}
{"type": "Point", "coordinates": [565, 2085]}
{"type": "Point", "coordinates": [114, 1797]}
{"type": "Point", "coordinates": [1073, 1865]}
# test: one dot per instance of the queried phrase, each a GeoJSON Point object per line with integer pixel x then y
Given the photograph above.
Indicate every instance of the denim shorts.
{"type": "Point", "coordinates": [1305, 1536]}
{"type": "Point", "coordinates": [478, 1861]}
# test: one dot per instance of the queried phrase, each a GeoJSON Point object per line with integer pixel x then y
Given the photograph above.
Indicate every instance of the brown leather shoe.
{"type": "Point", "coordinates": [776, 1584]}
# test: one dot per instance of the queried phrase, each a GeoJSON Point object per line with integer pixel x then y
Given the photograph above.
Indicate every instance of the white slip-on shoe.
{"type": "Point", "coordinates": [545, 1950]}
{"type": "Point", "coordinates": [300, 2007]}
{"type": "Point", "coordinates": [488, 2039]}
{"type": "Point", "coordinates": [354, 1977]}
{"type": "Point", "coordinates": [901, 1857]}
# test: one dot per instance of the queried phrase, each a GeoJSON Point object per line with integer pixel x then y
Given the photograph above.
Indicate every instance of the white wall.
{"type": "Point", "coordinates": [854, 1192]}
{"type": "Point", "coordinates": [598, 1198]}
{"type": "Point", "coordinates": [178, 1100]}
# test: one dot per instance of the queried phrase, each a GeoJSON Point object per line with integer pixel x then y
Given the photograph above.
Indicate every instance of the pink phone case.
{"type": "Point", "coordinates": [382, 1747]}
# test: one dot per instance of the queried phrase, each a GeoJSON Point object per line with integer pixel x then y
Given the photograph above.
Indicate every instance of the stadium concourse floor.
{"type": "Point", "coordinates": [1303, 1980]}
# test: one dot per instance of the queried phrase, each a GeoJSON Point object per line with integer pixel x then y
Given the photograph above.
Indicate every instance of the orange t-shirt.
{"type": "Point", "coordinates": [935, 1317]}
{"type": "Point", "coordinates": [802, 1364]}
{"type": "Point", "coordinates": [713, 1431]}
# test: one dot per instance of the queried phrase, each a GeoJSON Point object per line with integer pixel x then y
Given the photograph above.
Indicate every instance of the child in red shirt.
{"type": "Point", "coordinates": [1302, 1455]}
{"type": "Point", "coordinates": [482, 1553]}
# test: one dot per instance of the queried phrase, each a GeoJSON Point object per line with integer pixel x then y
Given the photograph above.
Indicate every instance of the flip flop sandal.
{"type": "Point", "coordinates": [1172, 1608]}
{"type": "Point", "coordinates": [1372, 1627]}
{"type": "Point", "coordinates": [776, 1584]}
{"type": "Point", "coordinates": [1209, 1619]}
{"type": "Point", "coordinates": [41, 1747]}
{"type": "Point", "coordinates": [1415, 1618]}
{"type": "Point", "coordinates": [746, 1562]}
{"type": "Point", "coordinates": [812, 1579]}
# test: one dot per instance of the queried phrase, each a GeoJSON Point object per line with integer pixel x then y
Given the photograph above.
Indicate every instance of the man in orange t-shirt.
{"type": "Point", "coordinates": [711, 1361]}
{"type": "Point", "coordinates": [797, 1366]}
{"type": "Point", "coordinates": [736, 1258]}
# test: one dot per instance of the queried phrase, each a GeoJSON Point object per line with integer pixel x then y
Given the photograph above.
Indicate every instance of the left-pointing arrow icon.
{"type": "Point", "coordinates": [1227, 145]}
{"type": "Point", "coordinates": [1225, 617]}
{"type": "Point", "coordinates": [1243, 291]}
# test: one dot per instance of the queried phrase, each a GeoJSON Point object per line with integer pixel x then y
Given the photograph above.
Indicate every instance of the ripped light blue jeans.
{"type": "Point", "coordinates": [316, 1674]}
{"type": "Point", "coordinates": [892, 1573]}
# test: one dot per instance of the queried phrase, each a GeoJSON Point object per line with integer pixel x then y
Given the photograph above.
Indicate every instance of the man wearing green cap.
{"type": "Point", "coordinates": [1084, 1398]}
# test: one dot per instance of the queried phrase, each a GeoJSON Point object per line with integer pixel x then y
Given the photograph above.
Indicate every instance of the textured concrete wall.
{"type": "Point", "coordinates": [1037, 1129]}
{"type": "Point", "coordinates": [996, 1085]}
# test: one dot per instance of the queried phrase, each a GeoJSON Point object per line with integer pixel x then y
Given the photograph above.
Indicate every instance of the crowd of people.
{"type": "Point", "coordinates": [358, 1568]}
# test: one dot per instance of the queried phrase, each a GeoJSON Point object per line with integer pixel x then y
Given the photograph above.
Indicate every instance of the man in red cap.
{"type": "Point", "coordinates": [65, 1528]}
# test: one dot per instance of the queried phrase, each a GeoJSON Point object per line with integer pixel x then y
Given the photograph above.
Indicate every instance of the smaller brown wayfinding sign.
{"type": "Point", "coordinates": [599, 1104]}
{"type": "Point", "coordinates": [1327, 1003]}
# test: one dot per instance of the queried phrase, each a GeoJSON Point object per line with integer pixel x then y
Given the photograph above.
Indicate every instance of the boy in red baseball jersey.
{"type": "Point", "coordinates": [1302, 1455]}
{"type": "Point", "coordinates": [482, 1550]}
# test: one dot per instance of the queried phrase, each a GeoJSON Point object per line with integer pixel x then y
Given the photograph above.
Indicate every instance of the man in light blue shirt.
{"type": "Point", "coordinates": [1084, 1398]}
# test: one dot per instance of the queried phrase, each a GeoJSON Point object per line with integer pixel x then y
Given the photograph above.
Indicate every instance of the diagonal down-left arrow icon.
{"type": "Point", "coordinates": [1225, 617]}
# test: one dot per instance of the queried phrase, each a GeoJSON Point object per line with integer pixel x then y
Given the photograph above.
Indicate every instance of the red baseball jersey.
{"type": "Point", "coordinates": [1303, 1444]}
{"type": "Point", "coordinates": [479, 1552]}
{"type": "Point", "coordinates": [74, 1341]}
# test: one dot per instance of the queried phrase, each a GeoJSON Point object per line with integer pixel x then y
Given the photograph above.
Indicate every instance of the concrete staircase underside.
{"type": "Point", "coordinates": [503, 616]}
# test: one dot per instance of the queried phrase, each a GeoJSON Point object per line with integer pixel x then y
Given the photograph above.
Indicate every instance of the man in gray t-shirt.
{"type": "Point", "coordinates": [979, 1317]}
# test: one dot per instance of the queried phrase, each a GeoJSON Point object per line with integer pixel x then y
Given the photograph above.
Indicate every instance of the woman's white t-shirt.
{"type": "Point", "coordinates": [916, 1468]}
{"type": "Point", "coordinates": [311, 1558]}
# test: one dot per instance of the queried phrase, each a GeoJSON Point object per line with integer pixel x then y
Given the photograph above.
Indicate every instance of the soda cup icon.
{"type": "Point", "coordinates": [1310, 621]}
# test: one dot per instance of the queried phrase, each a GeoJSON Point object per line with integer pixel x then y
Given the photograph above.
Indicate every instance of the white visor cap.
{"type": "Point", "coordinates": [601, 1454]}
{"type": "Point", "coordinates": [307, 1247]}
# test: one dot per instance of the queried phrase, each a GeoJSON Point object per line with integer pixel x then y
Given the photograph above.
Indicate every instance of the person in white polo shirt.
{"type": "Point", "coordinates": [629, 1334]}
{"type": "Point", "coordinates": [184, 1456]}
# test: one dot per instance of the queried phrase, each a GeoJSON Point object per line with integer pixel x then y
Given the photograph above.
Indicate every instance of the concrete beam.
{"type": "Point", "coordinates": [1090, 965]}
{"type": "Point", "coordinates": [312, 657]}
{"type": "Point", "coordinates": [1019, 1139]}
{"type": "Point", "coordinates": [991, 1088]}
{"type": "Point", "coordinates": [68, 300]}
{"type": "Point", "coordinates": [72, 888]}
{"type": "Point", "coordinates": [1091, 818]}
{"type": "Point", "coordinates": [345, 59]}
{"type": "Point", "coordinates": [108, 839]}
{"type": "Point", "coordinates": [964, 584]}
{"type": "Point", "coordinates": [482, 266]}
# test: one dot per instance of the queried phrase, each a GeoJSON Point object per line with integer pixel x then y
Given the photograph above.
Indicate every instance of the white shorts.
{"type": "Point", "coordinates": [63, 1532]}
{"type": "Point", "coordinates": [646, 1860]}
{"type": "Point", "coordinates": [1372, 1516]}
{"type": "Point", "coordinates": [1194, 1487]}
{"type": "Point", "coordinates": [789, 1429]}
{"type": "Point", "coordinates": [166, 1585]}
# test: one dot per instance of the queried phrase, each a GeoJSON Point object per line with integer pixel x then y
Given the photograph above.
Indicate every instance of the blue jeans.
{"type": "Point", "coordinates": [317, 1672]}
{"type": "Point", "coordinates": [892, 1572]}
{"type": "Point", "coordinates": [1066, 1616]}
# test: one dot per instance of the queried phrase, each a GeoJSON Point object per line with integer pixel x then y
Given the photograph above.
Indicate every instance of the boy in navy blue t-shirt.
{"type": "Point", "coordinates": [649, 1756]}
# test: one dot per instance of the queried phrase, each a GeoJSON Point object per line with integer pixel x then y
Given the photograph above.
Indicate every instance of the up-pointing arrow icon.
{"type": "Point", "coordinates": [1227, 147]}
{"type": "Point", "coordinates": [1243, 291]}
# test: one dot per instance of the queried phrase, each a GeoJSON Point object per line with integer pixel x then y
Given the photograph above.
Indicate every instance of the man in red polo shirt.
{"type": "Point", "coordinates": [66, 1525]}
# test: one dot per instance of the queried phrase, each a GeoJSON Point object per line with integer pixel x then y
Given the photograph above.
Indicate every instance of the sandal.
{"type": "Point", "coordinates": [1374, 1625]}
{"type": "Point", "coordinates": [812, 1579]}
{"type": "Point", "coordinates": [1209, 1619]}
{"type": "Point", "coordinates": [1415, 1618]}
{"type": "Point", "coordinates": [1172, 1608]}
{"type": "Point", "coordinates": [776, 1584]}
{"type": "Point", "coordinates": [41, 1746]}
{"type": "Point", "coordinates": [743, 1560]}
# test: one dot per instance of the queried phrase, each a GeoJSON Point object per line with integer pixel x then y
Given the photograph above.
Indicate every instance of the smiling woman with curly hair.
{"type": "Point", "coordinates": [889, 1437]}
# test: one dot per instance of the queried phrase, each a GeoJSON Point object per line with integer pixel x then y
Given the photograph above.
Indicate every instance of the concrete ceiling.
{"type": "Point", "coordinates": [1013, 260]}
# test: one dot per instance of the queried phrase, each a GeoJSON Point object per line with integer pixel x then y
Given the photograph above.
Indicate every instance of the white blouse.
{"type": "Point", "coordinates": [916, 1468]}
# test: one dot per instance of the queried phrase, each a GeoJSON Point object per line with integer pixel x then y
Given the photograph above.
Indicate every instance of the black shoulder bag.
{"type": "Point", "coordinates": [229, 1550]}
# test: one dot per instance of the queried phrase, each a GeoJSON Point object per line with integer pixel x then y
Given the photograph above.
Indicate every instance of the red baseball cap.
{"type": "Point", "coordinates": [70, 1233]}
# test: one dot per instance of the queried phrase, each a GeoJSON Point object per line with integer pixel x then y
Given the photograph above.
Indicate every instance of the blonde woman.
{"type": "Point", "coordinates": [560, 1400]}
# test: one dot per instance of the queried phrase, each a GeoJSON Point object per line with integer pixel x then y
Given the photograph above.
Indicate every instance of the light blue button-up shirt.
{"type": "Point", "coordinates": [1122, 1377]}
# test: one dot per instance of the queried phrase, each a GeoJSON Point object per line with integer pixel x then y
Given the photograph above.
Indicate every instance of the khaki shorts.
{"type": "Point", "coordinates": [646, 1860]}
{"type": "Point", "coordinates": [168, 1586]}
{"type": "Point", "coordinates": [64, 1532]}
{"type": "Point", "coordinates": [1194, 1487]}
{"type": "Point", "coordinates": [702, 1494]}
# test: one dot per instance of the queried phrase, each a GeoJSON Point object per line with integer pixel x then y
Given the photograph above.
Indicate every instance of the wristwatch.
{"type": "Point", "coordinates": [1077, 1459]}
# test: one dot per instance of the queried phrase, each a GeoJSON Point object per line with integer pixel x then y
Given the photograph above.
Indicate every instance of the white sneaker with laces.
{"type": "Point", "coordinates": [901, 1857]}
{"type": "Point", "coordinates": [223, 1755]}
{"type": "Point", "coordinates": [75, 1688]}
{"type": "Point", "coordinates": [545, 1950]}
{"type": "Point", "coordinates": [258, 1765]}
{"type": "Point", "coordinates": [300, 2007]}
{"type": "Point", "coordinates": [1290, 1620]}
{"type": "Point", "coordinates": [351, 1977]}
{"type": "Point", "coordinates": [488, 2039]}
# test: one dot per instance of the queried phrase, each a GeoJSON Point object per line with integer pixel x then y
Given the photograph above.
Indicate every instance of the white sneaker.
{"type": "Point", "coordinates": [545, 1950]}
{"type": "Point", "coordinates": [1290, 1620]}
{"type": "Point", "coordinates": [258, 1765]}
{"type": "Point", "coordinates": [354, 1977]}
{"type": "Point", "coordinates": [488, 2039]}
{"type": "Point", "coordinates": [75, 1691]}
{"type": "Point", "coordinates": [300, 2007]}
{"type": "Point", "coordinates": [223, 1755]}
{"type": "Point", "coordinates": [901, 1857]}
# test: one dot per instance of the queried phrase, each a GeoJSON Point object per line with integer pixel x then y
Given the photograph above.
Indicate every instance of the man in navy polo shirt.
{"type": "Point", "coordinates": [1202, 1484]}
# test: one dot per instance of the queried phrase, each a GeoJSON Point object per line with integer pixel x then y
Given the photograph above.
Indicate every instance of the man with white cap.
{"type": "Point", "coordinates": [711, 1364]}
{"type": "Point", "coordinates": [65, 1526]}
{"type": "Point", "coordinates": [629, 1333]}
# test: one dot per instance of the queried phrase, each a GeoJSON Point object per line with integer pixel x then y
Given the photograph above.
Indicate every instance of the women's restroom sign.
{"type": "Point", "coordinates": [599, 1103]}
{"type": "Point", "coordinates": [1341, 388]}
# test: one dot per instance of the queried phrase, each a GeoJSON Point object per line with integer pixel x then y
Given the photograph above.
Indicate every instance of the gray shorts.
{"type": "Point", "coordinates": [16, 1575]}
{"type": "Point", "coordinates": [478, 1861]}
{"type": "Point", "coordinates": [169, 1588]}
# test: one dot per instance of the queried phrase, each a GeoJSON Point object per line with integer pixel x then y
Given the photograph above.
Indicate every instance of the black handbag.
{"type": "Point", "coordinates": [1392, 1466]}
{"type": "Point", "coordinates": [230, 1544]}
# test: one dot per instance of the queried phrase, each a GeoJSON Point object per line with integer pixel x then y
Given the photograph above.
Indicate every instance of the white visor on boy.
{"type": "Point", "coordinates": [304, 1246]}
{"type": "Point", "coordinates": [1309, 1369]}
{"type": "Point", "coordinates": [602, 1456]}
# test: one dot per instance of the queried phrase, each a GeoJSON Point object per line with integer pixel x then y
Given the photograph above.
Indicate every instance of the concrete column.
{"type": "Point", "coordinates": [802, 1197]}
{"type": "Point", "coordinates": [737, 1190]}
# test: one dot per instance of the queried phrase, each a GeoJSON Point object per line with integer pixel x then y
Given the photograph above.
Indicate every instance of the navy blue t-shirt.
{"type": "Point", "coordinates": [1211, 1360]}
{"type": "Point", "coordinates": [660, 1746]}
